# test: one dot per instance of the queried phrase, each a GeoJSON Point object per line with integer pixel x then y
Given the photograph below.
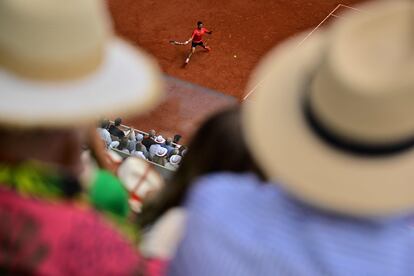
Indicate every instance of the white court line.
{"type": "Point", "coordinates": [302, 41]}
{"type": "Point", "coordinates": [317, 27]}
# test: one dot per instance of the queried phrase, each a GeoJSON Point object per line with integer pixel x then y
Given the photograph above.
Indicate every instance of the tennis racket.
{"type": "Point", "coordinates": [173, 42]}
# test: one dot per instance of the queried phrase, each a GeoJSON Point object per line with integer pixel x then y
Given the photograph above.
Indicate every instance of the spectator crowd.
{"type": "Point", "coordinates": [148, 146]}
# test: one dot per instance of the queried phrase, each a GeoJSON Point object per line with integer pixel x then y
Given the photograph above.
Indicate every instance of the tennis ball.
{"type": "Point", "coordinates": [235, 56]}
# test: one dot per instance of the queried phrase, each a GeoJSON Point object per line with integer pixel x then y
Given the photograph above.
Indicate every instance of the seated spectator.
{"type": "Point", "coordinates": [177, 138]}
{"type": "Point", "coordinates": [139, 154]}
{"type": "Point", "coordinates": [123, 145]}
{"type": "Point", "coordinates": [340, 159]}
{"type": "Point", "coordinates": [104, 133]}
{"type": "Point", "coordinates": [182, 150]}
{"type": "Point", "coordinates": [168, 145]}
{"type": "Point", "coordinates": [174, 162]}
{"type": "Point", "coordinates": [131, 140]}
{"type": "Point", "coordinates": [160, 156]}
{"type": "Point", "coordinates": [139, 147]}
{"type": "Point", "coordinates": [66, 57]}
{"type": "Point", "coordinates": [158, 141]}
{"type": "Point", "coordinates": [115, 130]}
{"type": "Point", "coordinates": [174, 152]}
{"type": "Point", "coordinates": [148, 140]}
{"type": "Point", "coordinates": [114, 145]}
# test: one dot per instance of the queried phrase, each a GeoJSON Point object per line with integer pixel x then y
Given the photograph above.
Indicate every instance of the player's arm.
{"type": "Point", "coordinates": [189, 40]}
{"type": "Point", "coordinates": [207, 31]}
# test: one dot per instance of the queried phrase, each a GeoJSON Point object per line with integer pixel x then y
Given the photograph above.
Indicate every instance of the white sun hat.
{"type": "Point", "coordinates": [341, 110]}
{"type": "Point", "coordinates": [159, 139]}
{"type": "Point", "coordinates": [161, 152]}
{"type": "Point", "coordinates": [140, 180]}
{"type": "Point", "coordinates": [175, 159]}
{"type": "Point", "coordinates": [60, 65]}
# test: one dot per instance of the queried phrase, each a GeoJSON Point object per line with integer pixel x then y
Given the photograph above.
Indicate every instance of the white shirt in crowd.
{"type": "Point", "coordinates": [153, 150]}
{"type": "Point", "coordinates": [139, 154]}
{"type": "Point", "coordinates": [105, 135]}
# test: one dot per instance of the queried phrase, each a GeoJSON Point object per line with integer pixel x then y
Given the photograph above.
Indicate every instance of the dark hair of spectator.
{"type": "Point", "coordinates": [217, 146]}
{"type": "Point", "coordinates": [181, 150]}
{"type": "Point", "coordinates": [105, 124]}
{"type": "Point", "coordinates": [177, 138]}
{"type": "Point", "coordinates": [123, 143]}
{"type": "Point", "coordinates": [117, 121]}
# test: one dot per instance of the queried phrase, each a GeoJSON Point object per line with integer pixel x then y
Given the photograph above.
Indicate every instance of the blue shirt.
{"type": "Point", "coordinates": [239, 226]}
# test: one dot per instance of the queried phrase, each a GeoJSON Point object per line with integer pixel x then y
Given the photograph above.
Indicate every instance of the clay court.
{"type": "Point", "coordinates": [243, 31]}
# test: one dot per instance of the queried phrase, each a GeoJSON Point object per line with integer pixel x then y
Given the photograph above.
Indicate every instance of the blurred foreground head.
{"type": "Point", "coordinates": [61, 68]}
{"type": "Point", "coordinates": [340, 108]}
{"type": "Point", "coordinates": [217, 146]}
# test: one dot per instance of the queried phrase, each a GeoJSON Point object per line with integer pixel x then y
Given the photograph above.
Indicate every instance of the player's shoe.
{"type": "Point", "coordinates": [187, 61]}
{"type": "Point", "coordinates": [208, 49]}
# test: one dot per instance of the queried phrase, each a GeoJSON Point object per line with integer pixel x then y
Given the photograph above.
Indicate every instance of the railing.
{"type": "Point", "coordinates": [164, 172]}
{"type": "Point", "coordinates": [125, 127]}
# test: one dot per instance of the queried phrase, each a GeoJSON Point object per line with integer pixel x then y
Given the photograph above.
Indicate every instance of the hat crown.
{"type": "Point", "coordinates": [364, 90]}
{"type": "Point", "coordinates": [161, 151]}
{"type": "Point", "coordinates": [52, 38]}
{"type": "Point", "coordinates": [159, 139]}
{"type": "Point", "coordinates": [175, 159]}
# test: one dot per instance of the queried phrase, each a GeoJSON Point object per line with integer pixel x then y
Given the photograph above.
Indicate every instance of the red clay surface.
{"type": "Point", "coordinates": [245, 28]}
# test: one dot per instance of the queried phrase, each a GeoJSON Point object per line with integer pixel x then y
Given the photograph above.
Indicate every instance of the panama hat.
{"type": "Point", "coordinates": [161, 152]}
{"type": "Point", "coordinates": [175, 159]}
{"type": "Point", "coordinates": [60, 65]}
{"type": "Point", "coordinates": [341, 110]}
{"type": "Point", "coordinates": [140, 179]}
{"type": "Point", "coordinates": [159, 139]}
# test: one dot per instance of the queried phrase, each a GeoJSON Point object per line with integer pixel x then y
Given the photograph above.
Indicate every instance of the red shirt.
{"type": "Point", "coordinates": [198, 34]}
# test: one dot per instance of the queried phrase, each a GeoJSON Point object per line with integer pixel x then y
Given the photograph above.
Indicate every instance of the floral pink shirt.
{"type": "Point", "coordinates": [43, 238]}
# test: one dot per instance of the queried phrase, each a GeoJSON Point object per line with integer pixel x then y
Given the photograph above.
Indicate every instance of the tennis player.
{"type": "Point", "coordinates": [196, 39]}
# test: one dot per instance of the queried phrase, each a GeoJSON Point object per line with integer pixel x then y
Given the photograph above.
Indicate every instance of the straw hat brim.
{"type": "Point", "coordinates": [299, 160]}
{"type": "Point", "coordinates": [127, 82]}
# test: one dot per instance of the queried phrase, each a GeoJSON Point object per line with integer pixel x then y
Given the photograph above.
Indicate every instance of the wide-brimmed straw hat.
{"type": "Point", "coordinates": [60, 65]}
{"type": "Point", "coordinates": [340, 109]}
